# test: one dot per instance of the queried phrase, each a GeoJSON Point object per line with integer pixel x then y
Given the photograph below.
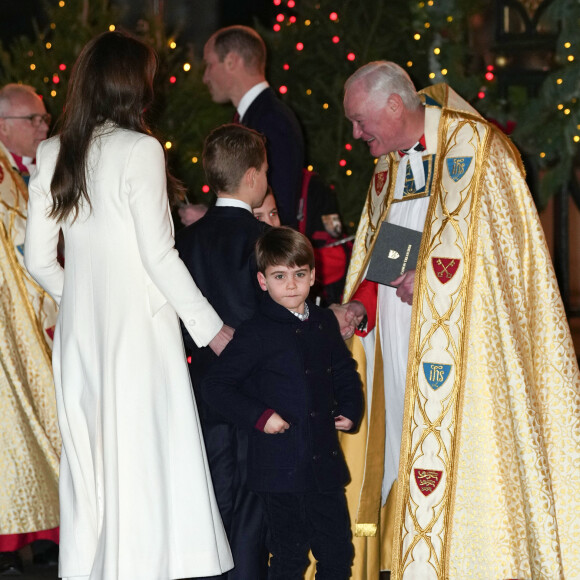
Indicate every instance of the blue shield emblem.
{"type": "Point", "coordinates": [436, 374]}
{"type": "Point", "coordinates": [20, 248]}
{"type": "Point", "coordinates": [457, 166]}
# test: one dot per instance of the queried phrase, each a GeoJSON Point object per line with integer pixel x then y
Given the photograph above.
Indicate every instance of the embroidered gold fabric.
{"type": "Point", "coordinates": [29, 436]}
{"type": "Point", "coordinates": [502, 429]}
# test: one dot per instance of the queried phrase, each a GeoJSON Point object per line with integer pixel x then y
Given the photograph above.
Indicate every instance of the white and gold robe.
{"type": "Point", "coordinates": [29, 435]}
{"type": "Point", "coordinates": [488, 477]}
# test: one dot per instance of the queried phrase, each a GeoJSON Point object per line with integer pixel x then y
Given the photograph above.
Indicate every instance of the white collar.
{"type": "Point", "coordinates": [232, 202]}
{"type": "Point", "coordinates": [250, 97]}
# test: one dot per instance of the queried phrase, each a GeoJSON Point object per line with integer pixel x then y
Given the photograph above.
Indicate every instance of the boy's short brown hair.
{"type": "Point", "coordinates": [283, 246]}
{"type": "Point", "coordinates": [228, 152]}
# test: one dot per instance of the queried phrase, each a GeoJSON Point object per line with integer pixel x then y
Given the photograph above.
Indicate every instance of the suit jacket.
{"type": "Point", "coordinates": [285, 147]}
{"type": "Point", "coordinates": [302, 370]}
{"type": "Point", "coordinates": [218, 250]}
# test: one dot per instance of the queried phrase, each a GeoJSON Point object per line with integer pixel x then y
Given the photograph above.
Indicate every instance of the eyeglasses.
{"type": "Point", "coordinates": [35, 120]}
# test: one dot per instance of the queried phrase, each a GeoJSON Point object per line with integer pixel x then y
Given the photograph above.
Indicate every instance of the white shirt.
{"type": "Point", "coordinates": [231, 202]}
{"type": "Point", "coordinates": [249, 97]}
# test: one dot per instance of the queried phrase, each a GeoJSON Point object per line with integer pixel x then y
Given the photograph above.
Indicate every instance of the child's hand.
{"type": "Point", "coordinates": [343, 423]}
{"type": "Point", "coordinates": [275, 424]}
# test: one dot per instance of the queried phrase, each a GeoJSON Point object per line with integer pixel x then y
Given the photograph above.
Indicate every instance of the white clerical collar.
{"type": "Point", "coordinates": [29, 163]}
{"type": "Point", "coordinates": [249, 97]}
{"type": "Point", "coordinates": [231, 202]}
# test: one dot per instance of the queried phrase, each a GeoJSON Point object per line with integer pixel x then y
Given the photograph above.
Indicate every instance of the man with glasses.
{"type": "Point", "coordinates": [29, 437]}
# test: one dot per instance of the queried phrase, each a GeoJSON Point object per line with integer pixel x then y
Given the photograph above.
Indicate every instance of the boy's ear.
{"type": "Point", "coordinates": [250, 177]}
{"type": "Point", "coordinates": [312, 276]}
{"type": "Point", "coordinates": [262, 281]}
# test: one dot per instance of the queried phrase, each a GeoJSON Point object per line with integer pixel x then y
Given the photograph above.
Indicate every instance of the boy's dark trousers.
{"type": "Point", "coordinates": [300, 522]}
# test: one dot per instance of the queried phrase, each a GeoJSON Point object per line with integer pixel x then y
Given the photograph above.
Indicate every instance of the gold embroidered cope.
{"type": "Point", "coordinates": [488, 474]}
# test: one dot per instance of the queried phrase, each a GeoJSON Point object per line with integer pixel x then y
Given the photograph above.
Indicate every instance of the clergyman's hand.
{"type": "Point", "coordinates": [404, 284]}
{"type": "Point", "coordinates": [349, 316]}
{"type": "Point", "coordinates": [221, 339]}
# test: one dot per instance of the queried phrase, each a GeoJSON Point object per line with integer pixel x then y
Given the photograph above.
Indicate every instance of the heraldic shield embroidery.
{"type": "Point", "coordinates": [438, 340]}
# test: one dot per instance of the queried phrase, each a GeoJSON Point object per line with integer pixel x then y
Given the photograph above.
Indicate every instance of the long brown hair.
{"type": "Point", "coordinates": [112, 79]}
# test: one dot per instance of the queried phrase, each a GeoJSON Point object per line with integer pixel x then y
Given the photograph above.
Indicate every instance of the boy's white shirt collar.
{"type": "Point", "coordinates": [231, 202]}
{"type": "Point", "coordinates": [249, 98]}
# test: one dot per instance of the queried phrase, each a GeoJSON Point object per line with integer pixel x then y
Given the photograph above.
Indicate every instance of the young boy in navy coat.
{"type": "Point", "coordinates": [289, 379]}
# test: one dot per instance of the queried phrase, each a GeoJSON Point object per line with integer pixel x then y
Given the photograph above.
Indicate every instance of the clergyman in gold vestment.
{"type": "Point", "coordinates": [466, 464]}
{"type": "Point", "coordinates": [29, 436]}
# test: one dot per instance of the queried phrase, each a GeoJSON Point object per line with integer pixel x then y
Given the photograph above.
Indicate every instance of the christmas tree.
{"type": "Point", "coordinates": [314, 45]}
{"type": "Point", "coordinates": [183, 113]}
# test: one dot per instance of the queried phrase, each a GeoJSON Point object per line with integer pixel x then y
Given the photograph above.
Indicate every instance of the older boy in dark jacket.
{"type": "Point", "coordinates": [288, 377]}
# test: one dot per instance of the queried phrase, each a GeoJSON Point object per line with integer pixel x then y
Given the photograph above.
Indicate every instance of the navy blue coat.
{"type": "Point", "coordinates": [305, 372]}
{"type": "Point", "coordinates": [285, 147]}
{"type": "Point", "coordinates": [218, 250]}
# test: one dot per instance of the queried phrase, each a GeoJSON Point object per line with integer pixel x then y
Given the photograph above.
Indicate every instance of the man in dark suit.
{"type": "Point", "coordinates": [235, 60]}
{"type": "Point", "coordinates": [218, 250]}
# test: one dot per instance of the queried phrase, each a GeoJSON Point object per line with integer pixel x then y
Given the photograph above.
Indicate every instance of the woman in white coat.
{"type": "Point", "coordinates": [137, 501]}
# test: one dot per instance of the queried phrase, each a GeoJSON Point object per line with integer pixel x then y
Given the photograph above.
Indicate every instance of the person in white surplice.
{"type": "Point", "coordinates": [137, 502]}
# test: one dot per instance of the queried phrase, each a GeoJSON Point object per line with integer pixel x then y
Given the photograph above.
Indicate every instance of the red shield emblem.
{"type": "Point", "coordinates": [50, 332]}
{"type": "Point", "coordinates": [427, 480]}
{"type": "Point", "coordinates": [380, 180]}
{"type": "Point", "coordinates": [1, 174]}
{"type": "Point", "coordinates": [445, 268]}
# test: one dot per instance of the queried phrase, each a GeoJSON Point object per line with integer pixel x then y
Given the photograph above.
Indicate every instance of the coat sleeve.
{"type": "Point", "coordinates": [147, 190]}
{"type": "Point", "coordinates": [222, 386]}
{"type": "Point", "coordinates": [40, 246]}
{"type": "Point", "coordinates": [346, 380]}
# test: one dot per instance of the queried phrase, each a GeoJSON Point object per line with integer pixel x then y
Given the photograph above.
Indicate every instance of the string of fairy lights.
{"type": "Point", "coordinates": [567, 107]}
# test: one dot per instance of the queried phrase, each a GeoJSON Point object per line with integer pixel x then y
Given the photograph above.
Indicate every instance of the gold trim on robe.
{"type": "Point", "coordinates": [29, 438]}
{"type": "Point", "coordinates": [488, 476]}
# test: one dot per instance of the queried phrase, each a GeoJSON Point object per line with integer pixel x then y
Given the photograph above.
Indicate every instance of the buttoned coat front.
{"type": "Point", "coordinates": [304, 372]}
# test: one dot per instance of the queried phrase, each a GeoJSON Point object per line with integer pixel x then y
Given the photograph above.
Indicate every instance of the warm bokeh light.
{"type": "Point", "coordinates": [186, 67]}
{"type": "Point", "coordinates": [350, 56]}
{"type": "Point", "coordinates": [283, 89]}
{"type": "Point", "coordinates": [168, 144]}
{"type": "Point", "coordinates": [333, 16]}
{"type": "Point", "coordinates": [205, 189]}
{"type": "Point", "coordinates": [299, 46]}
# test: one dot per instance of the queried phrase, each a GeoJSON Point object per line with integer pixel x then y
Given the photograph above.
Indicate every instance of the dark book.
{"type": "Point", "coordinates": [395, 252]}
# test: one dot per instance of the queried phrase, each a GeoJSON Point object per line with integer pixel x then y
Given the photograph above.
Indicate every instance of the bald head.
{"type": "Point", "coordinates": [23, 119]}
